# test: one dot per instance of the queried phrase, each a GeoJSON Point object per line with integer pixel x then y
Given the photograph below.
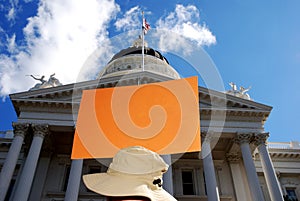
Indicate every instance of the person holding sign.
{"type": "Point", "coordinates": [135, 174]}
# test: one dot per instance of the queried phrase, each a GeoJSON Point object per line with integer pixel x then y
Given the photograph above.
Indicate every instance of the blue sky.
{"type": "Point", "coordinates": [252, 43]}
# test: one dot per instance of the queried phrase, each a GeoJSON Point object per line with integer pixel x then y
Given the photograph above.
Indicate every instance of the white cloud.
{"type": "Point", "coordinates": [58, 40]}
{"type": "Point", "coordinates": [12, 10]}
{"type": "Point", "coordinates": [63, 36]}
{"type": "Point", "coordinates": [130, 21]}
{"type": "Point", "coordinates": [11, 14]}
{"type": "Point", "coordinates": [2, 37]}
{"type": "Point", "coordinates": [184, 20]}
{"type": "Point", "coordinates": [11, 43]}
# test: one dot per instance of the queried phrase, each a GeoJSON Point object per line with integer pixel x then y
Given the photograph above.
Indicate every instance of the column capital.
{"type": "Point", "coordinates": [278, 173]}
{"type": "Point", "coordinates": [40, 130]}
{"type": "Point", "coordinates": [243, 138]}
{"type": "Point", "coordinates": [233, 157]}
{"type": "Point", "coordinates": [260, 138]}
{"type": "Point", "coordinates": [203, 135]}
{"type": "Point", "coordinates": [20, 129]}
{"type": "Point", "coordinates": [208, 136]}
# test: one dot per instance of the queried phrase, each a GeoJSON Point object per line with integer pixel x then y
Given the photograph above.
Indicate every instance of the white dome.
{"type": "Point", "coordinates": [130, 61]}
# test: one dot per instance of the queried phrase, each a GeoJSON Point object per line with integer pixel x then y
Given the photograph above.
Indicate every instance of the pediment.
{"type": "Point", "coordinates": [69, 94]}
{"type": "Point", "coordinates": [71, 91]}
{"type": "Point", "coordinates": [210, 98]}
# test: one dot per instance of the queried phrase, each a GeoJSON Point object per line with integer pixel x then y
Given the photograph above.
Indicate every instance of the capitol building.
{"type": "Point", "coordinates": [237, 163]}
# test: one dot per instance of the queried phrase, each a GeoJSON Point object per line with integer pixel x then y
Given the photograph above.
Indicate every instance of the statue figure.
{"type": "Point", "coordinates": [239, 93]}
{"type": "Point", "coordinates": [139, 42]}
{"type": "Point", "coordinates": [52, 82]}
{"type": "Point", "coordinates": [243, 92]}
{"type": "Point", "coordinates": [40, 79]}
{"type": "Point", "coordinates": [233, 86]}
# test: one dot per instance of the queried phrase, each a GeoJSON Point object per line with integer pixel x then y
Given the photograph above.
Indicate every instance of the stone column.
{"type": "Point", "coordinates": [39, 182]}
{"type": "Point", "coordinates": [167, 177]}
{"type": "Point", "coordinates": [255, 189]}
{"type": "Point", "coordinates": [209, 169]}
{"type": "Point", "coordinates": [27, 174]}
{"type": "Point", "coordinates": [269, 172]}
{"type": "Point", "coordinates": [239, 186]}
{"type": "Point", "coordinates": [74, 180]}
{"type": "Point", "coordinates": [283, 190]}
{"type": "Point", "coordinates": [20, 130]}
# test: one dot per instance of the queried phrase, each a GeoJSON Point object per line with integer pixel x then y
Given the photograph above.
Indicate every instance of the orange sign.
{"type": "Point", "coordinates": [163, 117]}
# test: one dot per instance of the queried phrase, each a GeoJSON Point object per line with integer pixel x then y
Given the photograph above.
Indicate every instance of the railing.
{"type": "Point", "coordinates": [283, 145]}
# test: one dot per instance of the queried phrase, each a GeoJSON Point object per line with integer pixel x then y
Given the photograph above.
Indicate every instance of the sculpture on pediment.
{"type": "Point", "coordinates": [139, 42]}
{"type": "Point", "coordinates": [233, 86]}
{"type": "Point", "coordinates": [40, 79]}
{"type": "Point", "coordinates": [52, 82]}
{"type": "Point", "coordinates": [241, 93]}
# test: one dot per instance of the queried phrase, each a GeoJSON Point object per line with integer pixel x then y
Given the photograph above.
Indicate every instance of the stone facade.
{"type": "Point", "coordinates": [236, 162]}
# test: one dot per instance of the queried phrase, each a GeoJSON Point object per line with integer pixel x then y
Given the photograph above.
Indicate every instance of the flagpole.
{"type": "Point", "coordinates": [143, 56]}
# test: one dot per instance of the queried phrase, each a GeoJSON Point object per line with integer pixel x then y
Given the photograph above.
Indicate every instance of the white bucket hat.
{"type": "Point", "coordinates": [134, 171]}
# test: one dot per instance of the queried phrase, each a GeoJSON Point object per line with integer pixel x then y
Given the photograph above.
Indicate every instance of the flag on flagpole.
{"type": "Point", "coordinates": [146, 26]}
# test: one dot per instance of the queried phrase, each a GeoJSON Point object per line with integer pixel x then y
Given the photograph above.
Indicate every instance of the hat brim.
{"type": "Point", "coordinates": [111, 185]}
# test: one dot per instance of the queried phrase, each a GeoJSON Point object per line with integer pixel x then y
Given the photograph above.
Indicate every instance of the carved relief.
{"type": "Point", "coordinates": [207, 136]}
{"type": "Point", "coordinates": [243, 138]}
{"type": "Point", "coordinates": [233, 157]}
{"type": "Point", "coordinates": [40, 130]}
{"type": "Point", "coordinates": [260, 138]}
{"type": "Point", "coordinates": [20, 129]}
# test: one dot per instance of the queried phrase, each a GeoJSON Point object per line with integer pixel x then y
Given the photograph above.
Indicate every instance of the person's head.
{"type": "Point", "coordinates": [135, 174]}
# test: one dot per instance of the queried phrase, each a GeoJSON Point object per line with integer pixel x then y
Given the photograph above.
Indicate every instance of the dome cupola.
{"type": "Point", "coordinates": [130, 61]}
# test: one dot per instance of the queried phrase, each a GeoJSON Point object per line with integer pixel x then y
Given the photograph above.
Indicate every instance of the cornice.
{"type": "Point", "coordinates": [231, 101]}
{"type": "Point", "coordinates": [64, 96]}
{"type": "Point", "coordinates": [36, 104]}
{"type": "Point", "coordinates": [68, 89]}
{"type": "Point", "coordinates": [238, 112]}
{"type": "Point", "coordinates": [45, 101]}
{"type": "Point", "coordinates": [282, 156]}
{"type": "Point", "coordinates": [285, 155]}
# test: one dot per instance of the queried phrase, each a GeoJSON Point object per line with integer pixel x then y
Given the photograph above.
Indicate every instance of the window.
{"type": "Point", "coordinates": [12, 183]}
{"type": "Point", "coordinates": [187, 182]}
{"type": "Point", "coordinates": [66, 179]}
{"type": "Point", "coordinates": [204, 183]}
{"type": "Point", "coordinates": [291, 194]}
{"type": "Point", "coordinates": [11, 186]}
{"type": "Point", "coordinates": [94, 169]}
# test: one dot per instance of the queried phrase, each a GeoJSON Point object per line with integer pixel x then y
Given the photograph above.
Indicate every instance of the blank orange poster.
{"type": "Point", "coordinates": [163, 117]}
